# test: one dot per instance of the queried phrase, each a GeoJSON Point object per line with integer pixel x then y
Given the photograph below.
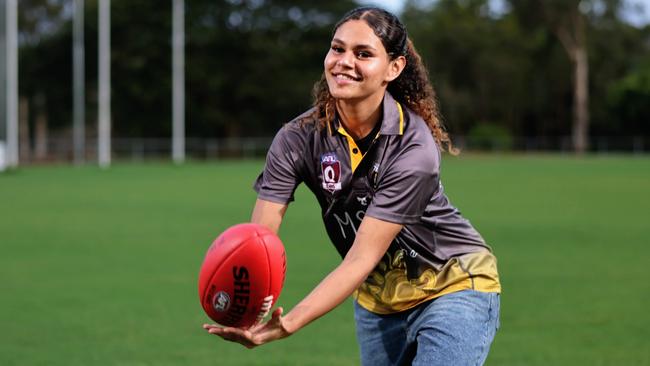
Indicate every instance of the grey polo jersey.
{"type": "Point", "coordinates": [396, 180]}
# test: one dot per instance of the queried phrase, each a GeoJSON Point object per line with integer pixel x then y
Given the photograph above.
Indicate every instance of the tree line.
{"type": "Point", "coordinates": [536, 68]}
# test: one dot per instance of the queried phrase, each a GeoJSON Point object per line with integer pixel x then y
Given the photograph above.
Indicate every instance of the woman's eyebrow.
{"type": "Point", "coordinates": [358, 46]}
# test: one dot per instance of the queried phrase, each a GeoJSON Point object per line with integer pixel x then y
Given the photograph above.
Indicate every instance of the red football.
{"type": "Point", "coordinates": [242, 275]}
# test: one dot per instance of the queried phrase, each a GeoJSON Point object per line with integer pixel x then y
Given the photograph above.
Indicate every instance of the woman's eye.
{"type": "Point", "coordinates": [337, 49]}
{"type": "Point", "coordinates": [363, 54]}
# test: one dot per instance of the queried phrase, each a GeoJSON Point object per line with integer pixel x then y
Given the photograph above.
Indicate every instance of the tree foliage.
{"type": "Point", "coordinates": [515, 68]}
{"type": "Point", "coordinates": [250, 64]}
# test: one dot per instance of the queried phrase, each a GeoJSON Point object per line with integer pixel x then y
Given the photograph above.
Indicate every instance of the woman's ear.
{"type": "Point", "coordinates": [395, 68]}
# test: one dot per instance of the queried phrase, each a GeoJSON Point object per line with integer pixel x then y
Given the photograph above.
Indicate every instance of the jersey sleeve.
{"type": "Point", "coordinates": [281, 175]}
{"type": "Point", "coordinates": [407, 186]}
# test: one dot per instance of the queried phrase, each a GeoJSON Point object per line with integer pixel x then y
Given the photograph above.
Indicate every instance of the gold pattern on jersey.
{"type": "Point", "coordinates": [388, 290]}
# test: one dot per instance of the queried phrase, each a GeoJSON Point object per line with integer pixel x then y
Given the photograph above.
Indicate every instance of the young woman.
{"type": "Point", "coordinates": [425, 284]}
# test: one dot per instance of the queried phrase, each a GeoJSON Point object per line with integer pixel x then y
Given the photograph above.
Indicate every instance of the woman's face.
{"type": "Point", "coordinates": [357, 65]}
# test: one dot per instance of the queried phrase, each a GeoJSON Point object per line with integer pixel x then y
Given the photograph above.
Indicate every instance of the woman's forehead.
{"type": "Point", "coordinates": [355, 33]}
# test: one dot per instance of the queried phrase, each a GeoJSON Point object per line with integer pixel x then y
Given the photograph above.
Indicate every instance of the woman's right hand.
{"type": "Point", "coordinates": [257, 335]}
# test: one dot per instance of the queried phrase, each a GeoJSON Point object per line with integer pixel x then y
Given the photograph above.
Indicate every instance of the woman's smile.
{"type": "Point", "coordinates": [345, 79]}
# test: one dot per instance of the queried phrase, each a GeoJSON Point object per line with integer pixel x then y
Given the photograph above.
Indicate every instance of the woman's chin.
{"type": "Point", "coordinates": [338, 93]}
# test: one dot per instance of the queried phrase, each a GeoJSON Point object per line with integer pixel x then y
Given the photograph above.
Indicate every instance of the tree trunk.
{"type": "Point", "coordinates": [573, 36]}
{"type": "Point", "coordinates": [40, 128]}
{"type": "Point", "coordinates": [40, 137]}
{"type": "Point", "coordinates": [580, 131]}
{"type": "Point", "coordinates": [24, 155]}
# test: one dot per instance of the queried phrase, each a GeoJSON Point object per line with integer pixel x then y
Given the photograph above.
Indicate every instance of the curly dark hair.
{"type": "Point", "coordinates": [411, 88]}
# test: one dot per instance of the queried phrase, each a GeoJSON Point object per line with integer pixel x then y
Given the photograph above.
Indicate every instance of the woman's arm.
{"type": "Point", "coordinates": [372, 241]}
{"type": "Point", "coordinates": [269, 214]}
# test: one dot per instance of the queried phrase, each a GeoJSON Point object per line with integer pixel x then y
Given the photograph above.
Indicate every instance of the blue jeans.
{"type": "Point", "coordinates": [454, 329]}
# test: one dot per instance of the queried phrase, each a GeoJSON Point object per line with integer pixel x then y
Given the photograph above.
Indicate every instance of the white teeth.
{"type": "Point", "coordinates": [345, 77]}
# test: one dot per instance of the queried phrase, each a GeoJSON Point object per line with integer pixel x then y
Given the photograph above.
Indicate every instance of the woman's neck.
{"type": "Point", "coordinates": [360, 117]}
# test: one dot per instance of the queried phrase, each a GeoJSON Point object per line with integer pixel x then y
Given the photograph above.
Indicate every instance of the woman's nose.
{"type": "Point", "coordinates": [346, 60]}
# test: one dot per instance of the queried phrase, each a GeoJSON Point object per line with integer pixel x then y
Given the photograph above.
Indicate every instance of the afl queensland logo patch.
{"type": "Point", "coordinates": [331, 169]}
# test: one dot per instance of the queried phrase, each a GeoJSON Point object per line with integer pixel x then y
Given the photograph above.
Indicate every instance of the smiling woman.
{"type": "Point", "coordinates": [357, 66]}
{"type": "Point", "coordinates": [425, 283]}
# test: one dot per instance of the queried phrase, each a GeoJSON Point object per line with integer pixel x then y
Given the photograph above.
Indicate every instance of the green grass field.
{"type": "Point", "coordinates": [99, 267]}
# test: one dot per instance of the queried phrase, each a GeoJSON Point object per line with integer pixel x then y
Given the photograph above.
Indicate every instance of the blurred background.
{"type": "Point", "coordinates": [518, 75]}
{"type": "Point", "coordinates": [131, 133]}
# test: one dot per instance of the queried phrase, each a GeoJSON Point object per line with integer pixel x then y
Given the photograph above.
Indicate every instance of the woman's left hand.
{"type": "Point", "coordinates": [257, 335]}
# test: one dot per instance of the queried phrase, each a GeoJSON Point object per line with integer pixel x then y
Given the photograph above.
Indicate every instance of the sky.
{"type": "Point", "coordinates": [637, 12]}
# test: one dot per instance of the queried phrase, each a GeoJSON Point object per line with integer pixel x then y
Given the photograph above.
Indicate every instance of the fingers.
{"type": "Point", "coordinates": [261, 324]}
{"type": "Point", "coordinates": [273, 329]}
{"type": "Point", "coordinates": [254, 336]}
{"type": "Point", "coordinates": [277, 313]}
{"type": "Point", "coordinates": [237, 335]}
{"type": "Point", "coordinates": [277, 318]}
{"type": "Point", "coordinates": [257, 326]}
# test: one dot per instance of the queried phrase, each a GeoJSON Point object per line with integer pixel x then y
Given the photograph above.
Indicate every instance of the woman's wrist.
{"type": "Point", "coordinates": [301, 315]}
{"type": "Point", "coordinates": [289, 323]}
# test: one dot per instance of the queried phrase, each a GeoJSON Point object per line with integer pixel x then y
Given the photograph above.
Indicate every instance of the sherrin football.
{"type": "Point", "coordinates": [242, 275]}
